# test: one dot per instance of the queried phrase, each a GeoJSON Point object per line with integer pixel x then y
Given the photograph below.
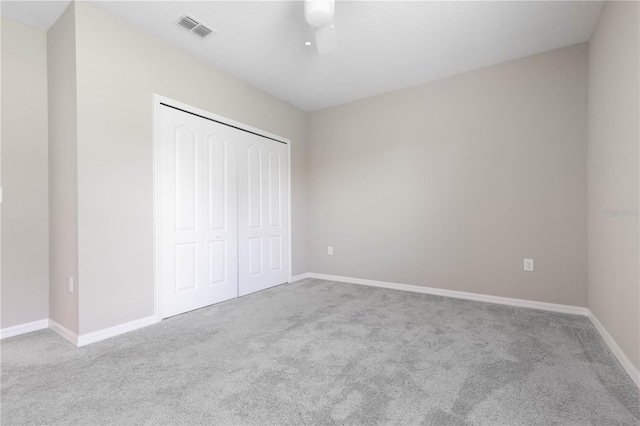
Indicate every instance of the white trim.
{"type": "Point", "coordinates": [106, 333]}
{"type": "Point", "coordinates": [295, 278]}
{"type": "Point", "coordinates": [156, 101]}
{"type": "Point", "coordinates": [224, 120]}
{"type": "Point", "coordinates": [626, 363]}
{"type": "Point", "coordinates": [290, 230]}
{"type": "Point", "coordinates": [628, 366]}
{"type": "Point", "coordinates": [27, 327]}
{"type": "Point", "coordinates": [553, 307]}
{"type": "Point", "coordinates": [64, 332]}
{"type": "Point", "coordinates": [157, 302]}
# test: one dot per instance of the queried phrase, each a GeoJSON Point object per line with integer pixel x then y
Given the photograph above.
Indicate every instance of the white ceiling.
{"type": "Point", "coordinates": [38, 14]}
{"type": "Point", "coordinates": [382, 45]}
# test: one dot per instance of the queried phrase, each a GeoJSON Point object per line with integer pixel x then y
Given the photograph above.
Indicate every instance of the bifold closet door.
{"type": "Point", "coordinates": [198, 211]}
{"type": "Point", "coordinates": [263, 221]}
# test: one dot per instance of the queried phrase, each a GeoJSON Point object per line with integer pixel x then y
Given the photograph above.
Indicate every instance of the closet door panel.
{"type": "Point", "coordinates": [254, 186]}
{"type": "Point", "coordinates": [186, 176]}
{"type": "Point", "coordinates": [276, 217]}
{"type": "Point", "coordinates": [274, 174]}
{"type": "Point", "coordinates": [198, 212]}
{"type": "Point", "coordinates": [275, 253]}
{"type": "Point", "coordinates": [218, 269]}
{"type": "Point", "coordinates": [181, 140]}
{"type": "Point", "coordinates": [221, 218]}
{"type": "Point", "coordinates": [255, 256]}
{"type": "Point", "coordinates": [250, 214]}
{"type": "Point", "coordinates": [262, 207]}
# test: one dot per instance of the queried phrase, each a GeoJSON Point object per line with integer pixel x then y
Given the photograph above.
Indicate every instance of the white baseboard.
{"type": "Point", "coordinates": [553, 307]}
{"type": "Point", "coordinates": [27, 327]}
{"type": "Point", "coordinates": [64, 332]}
{"type": "Point", "coordinates": [73, 338]}
{"type": "Point", "coordinates": [96, 336]}
{"type": "Point", "coordinates": [299, 277]}
{"type": "Point", "coordinates": [628, 366]}
{"type": "Point", "coordinates": [106, 333]}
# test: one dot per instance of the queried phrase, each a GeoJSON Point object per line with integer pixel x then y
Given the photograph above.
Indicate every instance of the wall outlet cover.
{"type": "Point", "coordinates": [528, 265]}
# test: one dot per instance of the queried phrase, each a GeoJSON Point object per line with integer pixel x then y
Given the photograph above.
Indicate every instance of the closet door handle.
{"type": "Point", "coordinates": [255, 233]}
{"type": "Point", "coordinates": [218, 236]}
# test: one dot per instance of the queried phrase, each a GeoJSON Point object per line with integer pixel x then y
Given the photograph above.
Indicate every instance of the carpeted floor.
{"type": "Point", "coordinates": [318, 352]}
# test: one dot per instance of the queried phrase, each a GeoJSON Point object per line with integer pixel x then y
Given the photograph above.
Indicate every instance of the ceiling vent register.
{"type": "Point", "coordinates": [194, 26]}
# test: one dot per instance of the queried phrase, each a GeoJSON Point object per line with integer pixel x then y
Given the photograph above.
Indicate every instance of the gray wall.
{"type": "Point", "coordinates": [452, 183]}
{"type": "Point", "coordinates": [63, 178]}
{"type": "Point", "coordinates": [25, 233]}
{"type": "Point", "coordinates": [119, 68]}
{"type": "Point", "coordinates": [614, 136]}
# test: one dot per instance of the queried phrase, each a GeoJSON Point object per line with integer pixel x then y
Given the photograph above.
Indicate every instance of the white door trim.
{"type": "Point", "coordinates": [157, 100]}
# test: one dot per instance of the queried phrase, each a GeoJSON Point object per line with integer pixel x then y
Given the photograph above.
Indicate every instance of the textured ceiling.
{"type": "Point", "coordinates": [382, 45]}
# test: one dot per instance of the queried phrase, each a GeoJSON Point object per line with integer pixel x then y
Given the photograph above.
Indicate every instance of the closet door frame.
{"type": "Point", "coordinates": [157, 101]}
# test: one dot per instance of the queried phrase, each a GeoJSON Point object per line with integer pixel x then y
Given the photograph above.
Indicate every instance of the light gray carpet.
{"type": "Point", "coordinates": [318, 352]}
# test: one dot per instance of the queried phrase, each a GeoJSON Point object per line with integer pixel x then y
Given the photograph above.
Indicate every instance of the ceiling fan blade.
{"type": "Point", "coordinates": [326, 39]}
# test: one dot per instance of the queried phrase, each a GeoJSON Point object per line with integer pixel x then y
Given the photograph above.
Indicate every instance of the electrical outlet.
{"type": "Point", "coordinates": [70, 284]}
{"type": "Point", "coordinates": [528, 265]}
{"type": "Point", "coordinates": [330, 251]}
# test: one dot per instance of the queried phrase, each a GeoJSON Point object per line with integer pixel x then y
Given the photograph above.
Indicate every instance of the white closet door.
{"type": "Point", "coordinates": [263, 222]}
{"type": "Point", "coordinates": [198, 216]}
{"type": "Point", "coordinates": [220, 202]}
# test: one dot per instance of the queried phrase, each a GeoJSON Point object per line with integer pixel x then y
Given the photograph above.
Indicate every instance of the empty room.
{"type": "Point", "coordinates": [320, 212]}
